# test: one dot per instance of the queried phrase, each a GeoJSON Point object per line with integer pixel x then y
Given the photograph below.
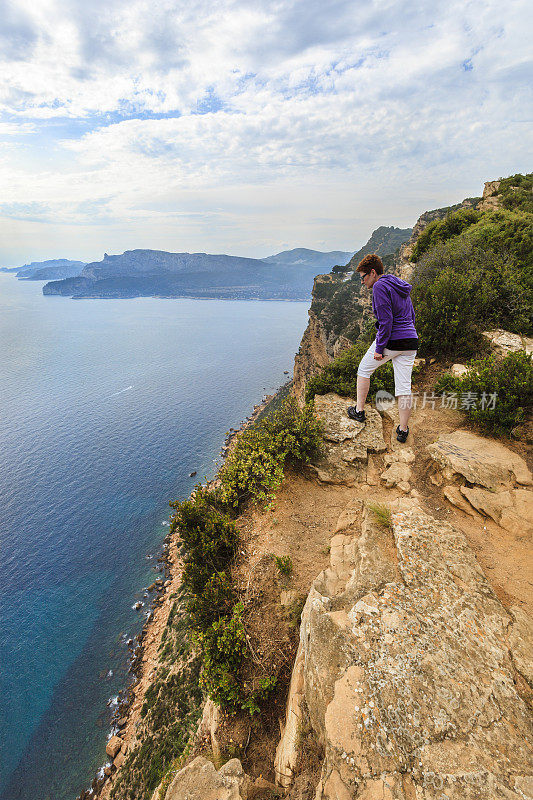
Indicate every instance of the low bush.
{"type": "Point", "coordinates": [461, 289]}
{"type": "Point", "coordinates": [254, 468]}
{"type": "Point", "coordinates": [441, 230]}
{"type": "Point", "coordinates": [223, 646]}
{"type": "Point", "coordinates": [208, 540]}
{"type": "Point", "coordinates": [341, 375]}
{"type": "Point", "coordinates": [516, 192]}
{"type": "Point", "coordinates": [208, 543]}
{"type": "Point", "coordinates": [496, 393]}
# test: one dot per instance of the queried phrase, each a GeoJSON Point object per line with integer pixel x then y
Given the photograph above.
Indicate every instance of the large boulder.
{"type": "Point", "coordinates": [504, 342]}
{"type": "Point", "coordinates": [407, 673]}
{"type": "Point", "coordinates": [113, 746]}
{"type": "Point", "coordinates": [481, 461]}
{"type": "Point", "coordinates": [511, 509]}
{"type": "Point", "coordinates": [346, 442]}
{"type": "Point", "coordinates": [199, 780]}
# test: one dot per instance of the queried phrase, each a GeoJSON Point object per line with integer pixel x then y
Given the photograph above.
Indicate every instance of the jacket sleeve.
{"type": "Point", "coordinates": [383, 312]}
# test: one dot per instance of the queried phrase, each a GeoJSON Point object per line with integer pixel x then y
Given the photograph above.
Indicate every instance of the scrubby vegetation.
{"type": "Point", "coordinates": [284, 564]}
{"type": "Point", "coordinates": [206, 647]}
{"type": "Point", "coordinates": [209, 538]}
{"type": "Point", "coordinates": [517, 192]}
{"type": "Point", "coordinates": [496, 393]}
{"type": "Point", "coordinates": [462, 289]}
{"type": "Point", "coordinates": [254, 468]}
{"type": "Point", "coordinates": [169, 713]}
{"type": "Point", "coordinates": [475, 272]}
{"type": "Point", "coordinates": [341, 375]}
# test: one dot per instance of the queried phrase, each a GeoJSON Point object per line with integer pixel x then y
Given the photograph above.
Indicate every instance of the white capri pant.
{"type": "Point", "coordinates": [402, 364]}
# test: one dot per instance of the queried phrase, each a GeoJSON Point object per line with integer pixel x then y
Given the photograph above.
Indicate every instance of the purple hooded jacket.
{"type": "Point", "coordinates": [393, 309]}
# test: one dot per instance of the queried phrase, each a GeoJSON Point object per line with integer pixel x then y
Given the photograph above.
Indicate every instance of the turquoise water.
{"type": "Point", "coordinates": [107, 406]}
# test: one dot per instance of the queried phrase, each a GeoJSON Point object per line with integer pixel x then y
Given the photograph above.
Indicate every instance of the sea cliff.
{"type": "Point", "coordinates": [383, 585]}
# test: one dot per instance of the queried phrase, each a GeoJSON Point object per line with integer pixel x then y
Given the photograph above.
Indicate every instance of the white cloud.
{"type": "Point", "coordinates": [314, 114]}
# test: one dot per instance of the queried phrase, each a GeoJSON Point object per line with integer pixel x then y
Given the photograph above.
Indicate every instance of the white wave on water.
{"type": "Point", "coordinates": [120, 392]}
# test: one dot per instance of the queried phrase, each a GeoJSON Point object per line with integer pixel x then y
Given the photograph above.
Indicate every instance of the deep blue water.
{"type": "Point", "coordinates": [106, 407]}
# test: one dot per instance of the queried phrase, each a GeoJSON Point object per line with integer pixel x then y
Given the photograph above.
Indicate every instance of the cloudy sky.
{"type": "Point", "coordinates": [250, 126]}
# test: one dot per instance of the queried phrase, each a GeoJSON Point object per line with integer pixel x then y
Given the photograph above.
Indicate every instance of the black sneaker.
{"type": "Point", "coordinates": [402, 435]}
{"type": "Point", "coordinates": [358, 416]}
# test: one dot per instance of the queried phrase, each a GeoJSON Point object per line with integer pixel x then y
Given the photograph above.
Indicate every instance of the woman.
{"type": "Point", "coordinates": [396, 340]}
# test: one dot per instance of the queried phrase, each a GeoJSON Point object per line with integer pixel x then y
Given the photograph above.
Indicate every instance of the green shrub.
{"type": "Point", "coordinates": [223, 645]}
{"type": "Point", "coordinates": [284, 564]}
{"type": "Point", "coordinates": [461, 289]}
{"type": "Point", "coordinates": [254, 468]}
{"type": "Point", "coordinates": [208, 542]}
{"type": "Point", "coordinates": [259, 694]}
{"type": "Point", "coordinates": [442, 229]}
{"type": "Point", "coordinates": [341, 375]}
{"type": "Point", "coordinates": [502, 390]}
{"type": "Point", "coordinates": [516, 192]}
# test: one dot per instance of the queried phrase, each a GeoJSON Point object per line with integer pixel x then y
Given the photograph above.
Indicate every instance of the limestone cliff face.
{"type": "Point", "coordinates": [405, 671]}
{"type": "Point", "coordinates": [490, 199]}
{"type": "Point", "coordinates": [410, 673]}
{"type": "Point", "coordinates": [311, 357]}
{"type": "Point", "coordinates": [384, 241]}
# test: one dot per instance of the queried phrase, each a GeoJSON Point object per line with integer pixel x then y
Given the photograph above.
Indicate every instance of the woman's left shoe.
{"type": "Point", "coordinates": [353, 413]}
{"type": "Point", "coordinates": [402, 435]}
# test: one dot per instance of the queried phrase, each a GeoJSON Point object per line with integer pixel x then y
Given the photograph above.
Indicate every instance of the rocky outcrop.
{"type": "Point", "coordinates": [504, 342]}
{"type": "Point", "coordinates": [199, 780]}
{"type": "Point", "coordinates": [384, 241]}
{"type": "Point", "coordinates": [406, 670]}
{"type": "Point", "coordinates": [488, 478]}
{"type": "Point", "coordinates": [490, 198]}
{"type": "Point", "coordinates": [346, 442]}
{"type": "Point", "coordinates": [480, 461]}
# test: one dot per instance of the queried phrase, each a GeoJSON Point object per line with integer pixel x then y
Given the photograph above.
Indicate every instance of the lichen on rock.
{"type": "Point", "coordinates": [406, 671]}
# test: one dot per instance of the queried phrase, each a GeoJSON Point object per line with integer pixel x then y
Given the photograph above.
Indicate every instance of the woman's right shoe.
{"type": "Point", "coordinates": [402, 435]}
{"type": "Point", "coordinates": [353, 413]}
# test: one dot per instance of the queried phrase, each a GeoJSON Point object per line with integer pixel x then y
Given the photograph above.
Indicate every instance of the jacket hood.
{"type": "Point", "coordinates": [401, 287]}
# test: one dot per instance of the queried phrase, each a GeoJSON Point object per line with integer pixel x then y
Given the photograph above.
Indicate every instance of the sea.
{"type": "Point", "coordinates": [106, 407]}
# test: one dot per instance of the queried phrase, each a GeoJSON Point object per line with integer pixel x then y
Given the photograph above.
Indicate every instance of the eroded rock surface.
{"type": "Point", "coordinates": [347, 443]}
{"type": "Point", "coordinates": [505, 342]}
{"type": "Point", "coordinates": [484, 462]}
{"type": "Point", "coordinates": [199, 780]}
{"type": "Point", "coordinates": [405, 669]}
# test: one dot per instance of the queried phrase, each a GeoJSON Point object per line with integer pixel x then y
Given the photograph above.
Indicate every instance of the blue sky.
{"type": "Point", "coordinates": [246, 126]}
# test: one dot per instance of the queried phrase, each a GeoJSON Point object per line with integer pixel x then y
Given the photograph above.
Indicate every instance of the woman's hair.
{"type": "Point", "coordinates": [370, 262]}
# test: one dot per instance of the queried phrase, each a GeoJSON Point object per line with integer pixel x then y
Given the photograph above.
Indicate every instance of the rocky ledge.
{"type": "Point", "coordinates": [408, 670]}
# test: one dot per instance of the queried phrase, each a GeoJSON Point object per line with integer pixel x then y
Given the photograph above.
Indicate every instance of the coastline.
{"type": "Point", "coordinates": [144, 653]}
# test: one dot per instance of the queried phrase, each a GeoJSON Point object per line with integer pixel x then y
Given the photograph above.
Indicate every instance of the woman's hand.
{"type": "Point", "coordinates": [378, 356]}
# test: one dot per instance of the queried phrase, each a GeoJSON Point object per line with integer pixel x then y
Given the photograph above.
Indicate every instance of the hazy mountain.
{"type": "Point", "coordinates": [139, 273]}
{"type": "Point", "coordinates": [315, 258]}
{"type": "Point", "coordinates": [54, 268]}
